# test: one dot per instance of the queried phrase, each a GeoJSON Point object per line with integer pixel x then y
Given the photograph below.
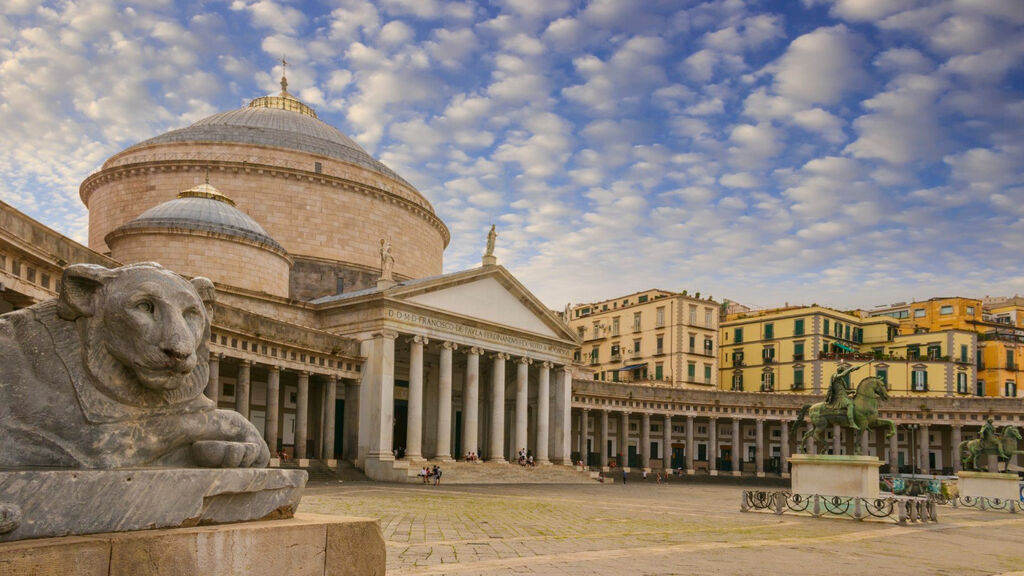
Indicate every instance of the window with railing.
{"type": "Point", "coordinates": [798, 378]}
{"type": "Point", "coordinates": [707, 373]}
{"type": "Point", "coordinates": [961, 383]}
{"type": "Point", "coordinates": [737, 358]}
{"type": "Point", "coordinates": [768, 354]}
{"type": "Point", "coordinates": [691, 371]}
{"type": "Point", "coordinates": [913, 352]}
{"type": "Point", "coordinates": [636, 322]}
{"type": "Point", "coordinates": [693, 344]}
{"type": "Point", "coordinates": [919, 380]}
{"type": "Point", "coordinates": [615, 326]}
{"type": "Point", "coordinates": [798, 351]}
{"type": "Point", "coordinates": [709, 346]}
{"type": "Point", "coordinates": [737, 381]}
{"type": "Point", "coordinates": [767, 381]}
{"type": "Point", "coordinates": [660, 345]}
{"type": "Point", "coordinates": [1010, 389]}
{"type": "Point", "coordinates": [934, 352]}
{"type": "Point", "coordinates": [659, 317]}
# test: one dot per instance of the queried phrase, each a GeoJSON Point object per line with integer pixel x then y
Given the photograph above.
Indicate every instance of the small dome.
{"type": "Point", "coordinates": [202, 208]}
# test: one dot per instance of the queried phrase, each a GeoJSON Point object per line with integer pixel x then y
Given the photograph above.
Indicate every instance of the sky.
{"type": "Point", "coordinates": [849, 153]}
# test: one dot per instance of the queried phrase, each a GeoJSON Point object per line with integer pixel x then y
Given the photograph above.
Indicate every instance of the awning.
{"type": "Point", "coordinates": [629, 368]}
{"type": "Point", "coordinates": [844, 347]}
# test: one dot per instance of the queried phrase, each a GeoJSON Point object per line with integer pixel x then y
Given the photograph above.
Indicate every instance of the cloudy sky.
{"type": "Point", "coordinates": [843, 152]}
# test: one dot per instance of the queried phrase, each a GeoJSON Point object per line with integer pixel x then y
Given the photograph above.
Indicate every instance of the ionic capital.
{"type": "Point", "coordinates": [274, 368]}
{"type": "Point", "coordinates": [474, 350]}
{"type": "Point", "coordinates": [546, 365]}
{"type": "Point", "coordinates": [389, 334]}
{"type": "Point", "coordinates": [501, 356]}
{"type": "Point", "coordinates": [524, 360]}
{"type": "Point", "coordinates": [450, 346]}
{"type": "Point", "coordinates": [420, 340]}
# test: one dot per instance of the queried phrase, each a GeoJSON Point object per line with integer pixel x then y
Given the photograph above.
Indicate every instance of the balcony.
{"type": "Point", "coordinates": [594, 360]}
{"type": "Point", "coordinates": [769, 359]}
{"type": "Point", "coordinates": [798, 357]}
{"type": "Point", "coordinates": [616, 358]}
{"type": "Point", "coordinates": [635, 354]}
{"type": "Point", "coordinates": [798, 386]}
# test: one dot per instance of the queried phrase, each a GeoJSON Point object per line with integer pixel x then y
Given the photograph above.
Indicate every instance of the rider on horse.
{"type": "Point", "coordinates": [839, 393]}
{"type": "Point", "coordinates": [989, 438]}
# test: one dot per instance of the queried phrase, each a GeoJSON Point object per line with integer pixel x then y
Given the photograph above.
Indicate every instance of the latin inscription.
{"type": "Point", "coordinates": [474, 333]}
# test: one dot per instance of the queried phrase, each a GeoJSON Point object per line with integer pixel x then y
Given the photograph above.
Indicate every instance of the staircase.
{"type": "Point", "coordinates": [496, 473]}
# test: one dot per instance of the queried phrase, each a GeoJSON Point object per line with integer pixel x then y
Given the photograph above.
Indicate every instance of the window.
{"type": "Point", "coordinates": [798, 378]}
{"type": "Point", "coordinates": [769, 331]}
{"type": "Point", "coordinates": [946, 310]}
{"type": "Point", "coordinates": [919, 313]}
{"type": "Point", "coordinates": [737, 358]}
{"type": "Point", "coordinates": [660, 345]}
{"type": "Point", "coordinates": [934, 352]}
{"type": "Point", "coordinates": [846, 334]}
{"type": "Point", "coordinates": [15, 267]}
{"type": "Point", "coordinates": [961, 382]}
{"type": "Point", "coordinates": [615, 375]}
{"type": "Point", "coordinates": [636, 346]}
{"type": "Point", "coordinates": [707, 317]}
{"type": "Point", "coordinates": [594, 354]}
{"type": "Point", "coordinates": [963, 353]}
{"type": "Point", "coordinates": [913, 352]}
{"type": "Point", "coordinates": [970, 310]}
{"type": "Point", "coordinates": [3, 262]}
{"type": "Point", "coordinates": [737, 335]}
{"type": "Point", "coordinates": [768, 354]}
{"type": "Point", "coordinates": [32, 275]}
{"type": "Point", "coordinates": [691, 371]}
{"type": "Point", "coordinates": [767, 381]}
{"type": "Point", "coordinates": [825, 327]}
{"type": "Point", "coordinates": [1010, 364]}
{"type": "Point", "coordinates": [641, 299]}
{"type": "Point", "coordinates": [580, 331]}
{"type": "Point", "coordinates": [709, 346]}
{"type": "Point", "coordinates": [979, 388]}
{"type": "Point", "coordinates": [883, 375]}
{"type": "Point", "coordinates": [798, 327]}
{"type": "Point", "coordinates": [659, 320]}
{"type": "Point", "coordinates": [1010, 389]}
{"type": "Point", "coordinates": [693, 344]}
{"type": "Point", "coordinates": [339, 285]}
{"type": "Point", "coordinates": [707, 373]}
{"type": "Point", "coordinates": [636, 322]}
{"type": "Point", "coordinates": [919, 380]}
{"type": "Point", "coordinates": [46, 281]}
{"type": "Point", "coordinates": [798, 350]}
{"type": "Point", "coordinates": [858, 335]}
{"type": "Point", "coordinates": [604, 308]}
{"type": "Point", "coordinates": [693, 315]}
{"type": "Point", "coordinates": [616, 351]}
{"type": "Point", "coordinates": [597, 330]}
{"type": "Point", "coordinates": [615, 326]}
{"type": "Point", "coordinates": [658, 371]}
{"type": "Point", "coordinates": [737, 381]}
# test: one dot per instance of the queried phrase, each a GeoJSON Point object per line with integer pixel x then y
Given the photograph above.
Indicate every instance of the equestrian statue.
{"type": "Point", "coordinates": [1003, 445]}
{"type": "Point", "coordinates": [857, 410]}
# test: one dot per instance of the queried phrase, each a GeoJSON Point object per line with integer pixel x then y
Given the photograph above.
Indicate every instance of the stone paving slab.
{"type": "Point", "coordinates": [649, 529]}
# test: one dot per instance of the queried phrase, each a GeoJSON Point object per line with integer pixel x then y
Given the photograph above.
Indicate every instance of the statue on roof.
{"type": "Point", "coordinates": [387, 260]}
{"type": "Point", "coordinates": [491, 237]}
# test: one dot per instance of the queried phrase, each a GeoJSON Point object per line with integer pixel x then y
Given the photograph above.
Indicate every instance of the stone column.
{"type": "Point", "coordinates": [584, 432]}
{"type": "Point", "coordinates": [623, 440]}
{"type": "Point", "coordinates": [837, 439]}
{"type": "Point", "coordinates": [414, 427]}
{"type": "Point", "coordinates": [690, 447]}
{"type": "Point", "coordinates": [759, 451]}
{"type": "Point", "coordinates": [603, 447]}
{"type": "Point", "coordinates": [561, 416]}
{"type": "Point", "coordinates": [213, 382]}
{"type": "Point", "coordinates": [351, 436]}
{"type": "Point", "coordinates": [381, 403]}
{"type": "Point", "coordinates": [713, 446]}
{"type": "Point", "coordinates": [864, 441]}
{"type": "Point", "coordinates": [443, 450]}
{"type": "Point", "coordinates": [522, 401]}
{"type": "Point", "coordinates": [471, 401]}
{"type": "Point", "coordinates": [242, 388]}
{"type": "Point", "coordinates": [666, 440]}
{"type": "Point", "coordinates": [645, 441]}
{"type": "Point", "coordinates": [328, 427]}
{"type": "Point", "coordinates": [496, 433]}
{"type": "Point", "coordinates": [894, 454]}
{"type": "Point", "coordinates": [301, 415]}
{"type": "Point", "coordinates": [956, 437]}
{"type": "Point", "coordinates": [925, 468]}
{"type": "Point", "coordinates": [544, 415]}
{"type": "Point", "coordinates": [273, 407]}
{"type": "Point", "coordinates": [737, 448]}
{"type": "Point", "coordinates": [784, 449]}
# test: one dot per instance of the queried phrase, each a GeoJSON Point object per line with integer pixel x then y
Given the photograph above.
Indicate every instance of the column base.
{"type": "Point", "coordinates": [447, 459]}
{"type": "Point", "coordinates": [415, 458]}
{"type": "Point", "coordinates": [737, 473]}
{"type": "Point", "coordinates": [690, 471]}
{"type": "Point", "coordinates": [330, 463]}
{"type": "Point", "coordinates": [785, 475]}
{"type": "Point", "coordinates": [713, 472]}
{"type": "Point", "coordinates": [497, 460]}
{"type": "Point", "coordinates": [543, 462]}
{"type": "Point", "coordinates": [302, 462]}
{"type": "Point", "coordinates": [760, 474]}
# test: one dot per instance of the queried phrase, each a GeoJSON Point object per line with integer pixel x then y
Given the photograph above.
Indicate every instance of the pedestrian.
{"type": "Point", "coordinates": [623, 476]}
{"type": "Point", "coordinates": [658, 477]}
{"type": "Point", "coordinates": [645, 474]}
{"type": "Point", "coordinates": [437, 475]}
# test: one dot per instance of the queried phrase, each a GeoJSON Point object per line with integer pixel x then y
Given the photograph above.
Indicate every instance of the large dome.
{"type": "Point", "coordinates": [279, 127]}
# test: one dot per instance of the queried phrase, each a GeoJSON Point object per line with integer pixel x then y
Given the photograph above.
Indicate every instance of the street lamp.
{"type": "Point", "coordinates": [913, 448]}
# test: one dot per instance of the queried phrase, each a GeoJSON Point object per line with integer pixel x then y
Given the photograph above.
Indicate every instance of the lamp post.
{"type": "Point", "coordinates": [913, 448]}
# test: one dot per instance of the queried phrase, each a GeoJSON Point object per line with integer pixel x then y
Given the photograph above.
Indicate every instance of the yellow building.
{"type": "Point", "coordinates": [799, 349]}
{"type": "Point", "coordinates": [651, 335]}
{"type": "Point", "coordinates": [998, 324]}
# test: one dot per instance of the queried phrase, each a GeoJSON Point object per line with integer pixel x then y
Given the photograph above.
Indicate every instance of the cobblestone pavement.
{"type": "Point", "coordinates": [649, 529]}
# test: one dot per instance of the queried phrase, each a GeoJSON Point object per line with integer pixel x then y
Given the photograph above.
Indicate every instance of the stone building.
{"type": "Point", "coordinates": [335, 330]}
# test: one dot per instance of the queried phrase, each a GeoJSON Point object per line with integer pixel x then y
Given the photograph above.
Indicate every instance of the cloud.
{"type": "Point", "coordinates": [902, 125]}
{"type": "Point", "coordinates": [820, 67]}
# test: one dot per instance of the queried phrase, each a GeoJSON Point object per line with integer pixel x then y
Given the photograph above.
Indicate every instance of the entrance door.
{"type": "Point", "coordinates": [401, 425]}
{"type": "Point", "coordinates": [633, 457]}
{"type": "Point", "coordinates": [726, 464]}
{"type": "Point", "coordinates": [339, 427]}
{"type": "Point", "coordinates": [288, 437]}
{"type": "Point", "coordinates": [459, 452]}
{"type": "Point", "coordinates": [679, 456]}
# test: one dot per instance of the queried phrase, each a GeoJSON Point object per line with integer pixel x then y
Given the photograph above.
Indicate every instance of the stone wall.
{"type": "Point", "coordinates": [337, 215]}
{"type": "Point", "coordinates": [227, 261]}
{"type": "Point", "coordinates": [312, 279]}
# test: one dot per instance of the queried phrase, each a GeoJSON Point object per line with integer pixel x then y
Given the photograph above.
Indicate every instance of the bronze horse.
{"type": "Point", "coordinates": [865, 414]}
{"type": "Point", "coordinates": [970, 450]}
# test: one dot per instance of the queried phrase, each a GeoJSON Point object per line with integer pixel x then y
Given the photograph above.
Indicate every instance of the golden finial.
{"type": "Point", "coordinates": [284, 78]}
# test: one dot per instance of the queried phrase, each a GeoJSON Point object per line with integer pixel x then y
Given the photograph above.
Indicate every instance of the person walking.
{"type": "Point", "coordinates": [437, 475]}
{"type": "Point", "coordinates": [623, 476]}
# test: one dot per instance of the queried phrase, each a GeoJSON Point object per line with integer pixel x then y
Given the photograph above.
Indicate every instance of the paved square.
{"type": "Point", "coordinates": [646, 529]}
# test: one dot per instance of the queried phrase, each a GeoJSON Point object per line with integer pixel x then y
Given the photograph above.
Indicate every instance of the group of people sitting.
{"type": "Point", "coordinates": [472, 457]}
{"type": "Point", "coordinates": [427, 473]}
{"type": "Point", "coordinates": [526, 458]}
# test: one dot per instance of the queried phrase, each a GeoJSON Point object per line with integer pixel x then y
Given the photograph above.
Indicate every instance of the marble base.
{"type": "Point", "coordinates": [988, 485]}
{"type": "Point", "coordinates": [851, 476]}
{"type": "Point", "coordinates": [48, 503]}
{"type": "Point", "coordinates": [306, 545]}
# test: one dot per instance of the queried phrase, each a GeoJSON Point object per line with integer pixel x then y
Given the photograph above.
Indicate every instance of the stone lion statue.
{"type": "Point", "coordinates": [111, 375]}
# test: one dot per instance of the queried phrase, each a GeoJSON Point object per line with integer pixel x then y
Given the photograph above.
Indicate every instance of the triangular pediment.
{"type": "Point", "coordinates": [491, 300]}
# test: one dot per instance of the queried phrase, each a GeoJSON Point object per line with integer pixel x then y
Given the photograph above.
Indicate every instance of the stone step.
{"type": "Point", "coordinates": [499, 473]}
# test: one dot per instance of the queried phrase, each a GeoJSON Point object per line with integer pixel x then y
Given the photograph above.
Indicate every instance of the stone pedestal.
{"type": "Point", "coordinates": [988, 485]}
{"type": "Point", "coordinates": [851, 476]}
{"type": "Point", "coordinates": [52, 503]}
{"type": "Point", "coordinates": [306, 545]}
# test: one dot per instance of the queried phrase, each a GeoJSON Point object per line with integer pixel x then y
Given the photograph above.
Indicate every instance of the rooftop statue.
{"type": "Point", "coordinates": [111, 375]}
{"type": "Point", "coordinates": [1002, 444]}
{"type": "Point", "coordinates": [491, 237]}
{"type": "Point", "coordinates": [859, 412]}
{"type": "Point", "coordinates": [387, 260]}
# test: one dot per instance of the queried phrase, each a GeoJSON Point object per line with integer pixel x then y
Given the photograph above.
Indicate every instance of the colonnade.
{"type": "Point", "coordinates": [746, 444]}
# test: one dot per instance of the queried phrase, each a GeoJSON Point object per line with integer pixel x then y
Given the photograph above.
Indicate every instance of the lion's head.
{"type": "Point", "coordinates": [143, 328]}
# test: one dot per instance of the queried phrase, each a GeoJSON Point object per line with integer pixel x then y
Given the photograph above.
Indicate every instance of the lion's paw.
{"type": "Point", "coordinates": [225, 454]}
